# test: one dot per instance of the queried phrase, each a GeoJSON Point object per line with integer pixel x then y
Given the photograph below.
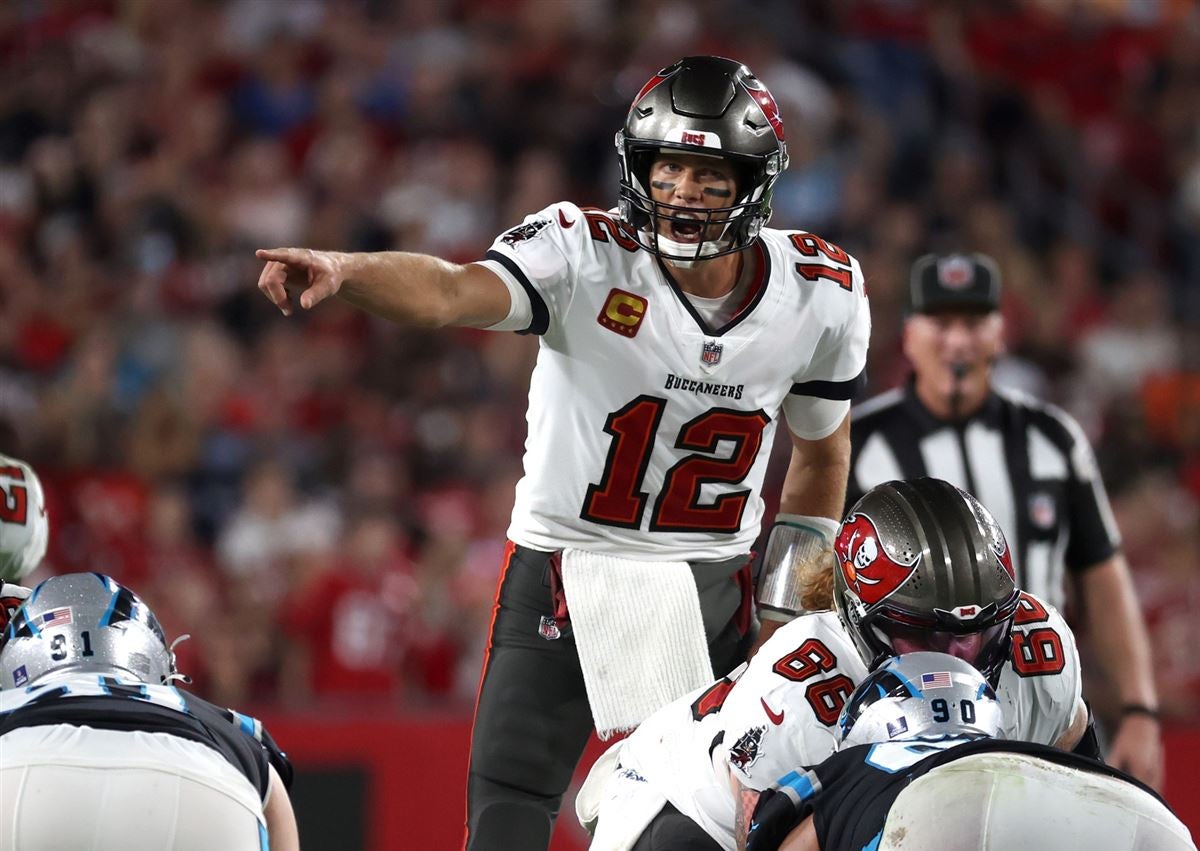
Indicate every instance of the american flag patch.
{"type": "Point", "coordinates": [56, 617]}
{"type": "Point", "coordinates": [938, 679]}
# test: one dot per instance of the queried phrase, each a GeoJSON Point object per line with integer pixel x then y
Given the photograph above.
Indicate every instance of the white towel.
{"type": "Point", "coordinates": [639, 633]}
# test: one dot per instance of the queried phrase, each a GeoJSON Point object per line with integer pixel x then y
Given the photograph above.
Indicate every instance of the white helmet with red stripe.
{"type": "Point", "coordinates": [24, 527]}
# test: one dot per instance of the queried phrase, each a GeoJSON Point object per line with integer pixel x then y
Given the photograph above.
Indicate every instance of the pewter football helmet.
{"type": "Point", "coordinates": [919, 695]}
{"type": "Point", "coordinates": [24, 529]}
{"type": "Point", "coordinates": [86, 623]}
{"type": "Point", "coordinates": [921, 565]}
{"type": "Point", "coordinates": [710, 106]}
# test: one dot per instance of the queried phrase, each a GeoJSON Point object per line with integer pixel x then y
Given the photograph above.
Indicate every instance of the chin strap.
{"type": "Point", "coordinates": [708, 248]}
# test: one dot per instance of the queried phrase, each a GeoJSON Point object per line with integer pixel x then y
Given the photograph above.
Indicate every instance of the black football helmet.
{"type": "Point", "coordinates": [921, 565]}
{"type": "Point", "coordinates": [711, 106]}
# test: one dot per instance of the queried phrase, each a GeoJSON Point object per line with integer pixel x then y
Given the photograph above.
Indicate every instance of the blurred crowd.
{"type": "Point", "coordinates": [322, 500]}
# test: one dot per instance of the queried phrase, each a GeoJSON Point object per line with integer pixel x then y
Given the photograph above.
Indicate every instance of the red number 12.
{"type": "Point", "coordinates": [618, 499]}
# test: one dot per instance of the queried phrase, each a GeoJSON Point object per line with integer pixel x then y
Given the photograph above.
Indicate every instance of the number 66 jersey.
{"type": "Point", "coordinates": [781, 713]}
{"type": "Point", "coordinates": [649, 429]}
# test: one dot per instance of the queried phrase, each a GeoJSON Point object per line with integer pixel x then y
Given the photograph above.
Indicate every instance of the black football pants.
{"type": "Point", "coordinates": [532, 719]}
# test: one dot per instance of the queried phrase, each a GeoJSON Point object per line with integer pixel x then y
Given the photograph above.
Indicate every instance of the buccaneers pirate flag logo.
{"type": "Point", "coordinates": [868, 569]}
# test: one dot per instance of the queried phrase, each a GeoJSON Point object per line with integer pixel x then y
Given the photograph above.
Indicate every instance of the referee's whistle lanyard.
{"type": "Point", "coordinates": [960, 371]}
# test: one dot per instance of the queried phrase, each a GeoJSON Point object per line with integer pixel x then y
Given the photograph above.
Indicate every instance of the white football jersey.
{"type": "Point", "coordinates": [779, 712]}
{"type": "Point", "coordinates": [649, 432]}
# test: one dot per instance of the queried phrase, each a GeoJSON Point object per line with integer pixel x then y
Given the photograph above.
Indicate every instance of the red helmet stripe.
{"type": "Point", "coordinates": [769, 108]}
{"type": "Point", "coordinates": [650, 85]}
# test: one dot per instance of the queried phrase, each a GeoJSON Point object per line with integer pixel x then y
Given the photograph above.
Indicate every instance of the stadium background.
{"type": "Point", "coordinates": [322, 501]}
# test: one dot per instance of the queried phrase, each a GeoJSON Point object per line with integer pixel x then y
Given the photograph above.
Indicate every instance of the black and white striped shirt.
{"type": "Point", "coordinates": [1027, 461]}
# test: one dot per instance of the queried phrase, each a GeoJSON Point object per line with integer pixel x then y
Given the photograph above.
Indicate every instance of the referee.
{"type": "Point", "coordinates": [1027, 461]}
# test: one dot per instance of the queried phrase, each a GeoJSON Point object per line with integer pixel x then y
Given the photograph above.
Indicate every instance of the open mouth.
{"type": "Point", "coordinates": [686, 231]}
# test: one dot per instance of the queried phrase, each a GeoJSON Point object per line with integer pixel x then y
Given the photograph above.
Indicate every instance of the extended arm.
{"type": "Point", "coordinates": [1116, 627]}
{"type": "Point", "coordinates": [814, 487]}
{"type": "Point", "coordinates": [411, 289]}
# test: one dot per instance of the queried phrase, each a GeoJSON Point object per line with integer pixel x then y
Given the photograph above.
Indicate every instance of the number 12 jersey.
{"type": "Point", "coordinates": [649, 430]}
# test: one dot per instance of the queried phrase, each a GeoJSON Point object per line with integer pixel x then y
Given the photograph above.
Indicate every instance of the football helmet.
{"type": "Point", "coordinates": [921, 565]}
{"type": "Point", "coordinates": [84, 623]}
{"type": "Point", "coordinates": [919, 695]}
{"type": "Point", "coordinates": [24, 529]}
{"type": "Point", "coordinates": [711, 106]}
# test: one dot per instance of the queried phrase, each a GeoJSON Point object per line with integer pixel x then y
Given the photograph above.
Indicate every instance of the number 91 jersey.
{"type": "Point", "coordinates": [649, 430]}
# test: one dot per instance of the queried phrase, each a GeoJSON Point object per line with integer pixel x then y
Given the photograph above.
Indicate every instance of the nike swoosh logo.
{"type": "Point", "coordinates": [776, 717]}
{"type": "Point", "coordinates": [562, 220]}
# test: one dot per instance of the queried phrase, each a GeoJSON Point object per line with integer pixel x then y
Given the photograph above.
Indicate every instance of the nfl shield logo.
{"type": "Point", "coordinates": [1042, 511]}
{"type": "Point", "coordinates": [711, 354]}
{"type": "Point", "coordinates": [548, 628]}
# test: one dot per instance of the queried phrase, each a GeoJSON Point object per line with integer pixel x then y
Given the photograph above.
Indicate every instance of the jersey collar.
{"type": "Point", "coordinates": [754, 293]}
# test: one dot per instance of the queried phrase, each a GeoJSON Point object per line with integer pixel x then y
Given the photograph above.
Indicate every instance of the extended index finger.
{"type": "Point", "coordinates": [295, 256]}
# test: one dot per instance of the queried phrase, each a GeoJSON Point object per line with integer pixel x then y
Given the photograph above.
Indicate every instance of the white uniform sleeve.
{"type": "Point", "coordinates": [538, 258]}
{"type": "Point", "coordinates": [1060, 695]}
{"type": "Point", "coordinates": [1040, 696]}
{"type": "Point", "coordinates": [812, 418]}
{"type": "Point", "coordinates": [838, 370]}
{"type": "Point", "coordinates": [520, 311]}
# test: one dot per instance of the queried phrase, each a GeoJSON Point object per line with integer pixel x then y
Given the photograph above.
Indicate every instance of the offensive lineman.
{"type": "Point", "coordinates": [921, 565]}
{"type": "Point", "coordinates": [672, 333]}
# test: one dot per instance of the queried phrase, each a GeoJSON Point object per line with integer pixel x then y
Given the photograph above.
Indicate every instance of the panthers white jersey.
{"type": "Point", "coordinates": [779, 713]}
{"type": "Point", "coordinates": [649, 432]}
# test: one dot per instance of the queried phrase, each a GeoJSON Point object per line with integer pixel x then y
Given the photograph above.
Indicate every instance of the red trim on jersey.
{"type": "Point", "coordinates": [760, 275]}
{"type": "Point", "coordinates": [509, 550]}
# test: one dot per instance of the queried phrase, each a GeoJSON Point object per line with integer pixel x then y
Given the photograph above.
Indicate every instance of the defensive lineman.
{"type": "Point", "coordinates": [919, 767]}
{"type": "Point", "coordinates": [92, 723]}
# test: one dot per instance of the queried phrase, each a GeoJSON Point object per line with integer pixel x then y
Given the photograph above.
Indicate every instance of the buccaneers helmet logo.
{"type": "Point", "coordinates": [865, 565]}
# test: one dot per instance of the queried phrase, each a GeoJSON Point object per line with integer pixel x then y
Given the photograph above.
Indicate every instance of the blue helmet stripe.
{"type": "Point", "coordinates": [912, 689]}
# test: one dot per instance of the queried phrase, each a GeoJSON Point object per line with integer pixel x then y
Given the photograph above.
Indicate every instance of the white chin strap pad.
{"type": "Point", "coordinates": [666, 245]}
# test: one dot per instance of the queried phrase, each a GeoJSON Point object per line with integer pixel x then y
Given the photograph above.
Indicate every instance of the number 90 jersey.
{"type": "Point", "coordinates": [780, 713]}
{"type": "Point", "coordinates": [649, 431]}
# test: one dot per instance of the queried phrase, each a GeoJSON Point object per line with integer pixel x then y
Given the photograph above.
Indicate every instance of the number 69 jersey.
{"type": "Point", "coordinates": [781, 712]}
{"type": "Point", "coordinates": [649, 431]}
